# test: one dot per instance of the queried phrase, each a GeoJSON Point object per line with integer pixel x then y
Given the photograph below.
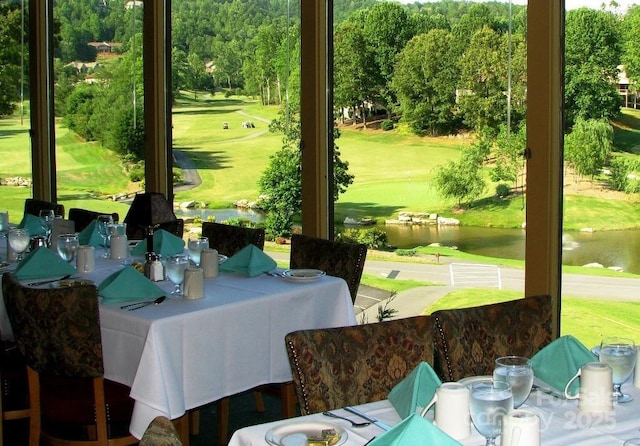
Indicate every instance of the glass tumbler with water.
{"type": "Point", "coordinates": [620, 354]}
{"type": "Point", "coordinates": [67, 246]}
{"type": "Point", "coordinates": [195, 248]}
{"type": "Point", "coordinates": [490, 401]}
{"type": "Point", "coordinates": [517, 371]}
{"type": "Point", "coordinates": [175, 267]}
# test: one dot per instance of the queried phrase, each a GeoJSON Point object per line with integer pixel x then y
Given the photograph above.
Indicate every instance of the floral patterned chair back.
{"type": "Point", "coordinates": [468, 340]}
{"type": "Point", "coordinates": [228, 239]}
{"type": "Point", "coordinates": [161, 432]}
{"type": "Point", "coordinates": [57, 331]}
{"type": "Point", "coordinates": [337, 367]}
{"type": "Point", "coordinates": [345, 260]}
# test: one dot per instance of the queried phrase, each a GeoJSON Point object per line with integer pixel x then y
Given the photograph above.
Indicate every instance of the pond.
{"type": "Point", "coordinates": [609, 248]}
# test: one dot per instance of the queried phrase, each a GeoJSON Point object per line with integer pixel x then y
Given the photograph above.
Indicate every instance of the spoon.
{"type": "Point", "coordinates": [353, 423]}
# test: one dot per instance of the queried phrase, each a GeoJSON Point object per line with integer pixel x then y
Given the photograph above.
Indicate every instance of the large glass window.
{"type": "Point", "coordinates": [15, 162]}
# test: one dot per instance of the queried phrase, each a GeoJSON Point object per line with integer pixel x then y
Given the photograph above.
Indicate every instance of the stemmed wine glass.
{"type": "Point", "coordinates": [175, 272]}
{"type": "Point", "coordinates": [517, 371]}
{"type": "Point", "coordinates": [47, 216]}
{"type": "Point", "coordinates": [19, 241]}
{"type": "Point", "coordinates": [103, 223]}
{"type": "Point", "coordinates": [195, 248]}
{"type": "Point", "coordinates": [490, 401]}
{"type": "Point", "coordinates": [620, 354]}
{"type": "Point", "coordinates": [67, 246]}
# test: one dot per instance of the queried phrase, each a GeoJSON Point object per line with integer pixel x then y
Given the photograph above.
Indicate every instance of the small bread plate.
{"type": "Point", "coordinates": [222, 258]}
{"type": "Point", "coordinates": [302, 275]}
{"type": "Point", "coordinates": [304, 433]}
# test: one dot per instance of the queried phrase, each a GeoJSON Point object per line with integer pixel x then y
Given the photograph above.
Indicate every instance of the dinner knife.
{"type": "Point", "coordinates": [364, 416]}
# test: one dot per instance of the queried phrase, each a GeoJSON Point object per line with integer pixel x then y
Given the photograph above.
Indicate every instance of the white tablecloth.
{"type": "Point", "coordinates": [561, 424]}
{"type": "Point", "coordinates": [183, 354]}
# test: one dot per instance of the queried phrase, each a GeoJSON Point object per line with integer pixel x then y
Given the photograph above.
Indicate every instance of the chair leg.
{"type": "Point", "coordinates": [194, 422]}
{"type": "Point", "coordinates": [223, 421]}
{"type": "Point", "coordinates": [34, 406]}
{"type": "Point", "coordinates": [182, 425]}
{"type": "Point", "coordinates": [288, 400]}
{"type": "Point", "coordinates": [257, 396]}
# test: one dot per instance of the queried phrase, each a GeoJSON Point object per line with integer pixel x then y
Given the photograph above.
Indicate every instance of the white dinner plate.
{"type": "Point", "coordinates": [222, 258]}
{"type": "Point", "coordinates": [296, 434]}
{"type": "Point", "coordinates": [302, 275]}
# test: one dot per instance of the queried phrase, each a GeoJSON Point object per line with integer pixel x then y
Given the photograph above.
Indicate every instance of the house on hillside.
{"type": "Point", "coordinates": [626, 89]}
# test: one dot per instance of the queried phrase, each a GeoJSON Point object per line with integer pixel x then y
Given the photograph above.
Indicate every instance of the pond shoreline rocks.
{"type": "Point", "coordinates": [422, 218]}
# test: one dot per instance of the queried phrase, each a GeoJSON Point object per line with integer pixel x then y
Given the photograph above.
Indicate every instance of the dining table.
{"type": "Point", "coordinates": [561, 423]}
{"type": "Point", "coordinates": [185, 353]}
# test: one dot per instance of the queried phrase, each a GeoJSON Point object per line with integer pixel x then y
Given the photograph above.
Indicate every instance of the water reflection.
{"type": "Point", "coordinates": [609, 248]}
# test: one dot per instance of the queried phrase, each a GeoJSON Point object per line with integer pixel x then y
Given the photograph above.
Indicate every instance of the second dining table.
{"type": "Point", "coordinates": [183, 354]}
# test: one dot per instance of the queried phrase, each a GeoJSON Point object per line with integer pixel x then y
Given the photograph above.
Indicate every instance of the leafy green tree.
{"type": "Point", "coordinates": [195, 76]}
{"type": "Point", "coordinates": [355, 73]}
{"type": "Point", "coordinates": [425, 81]}
{"type": "Point", "coordinates": [508, 155]}
{"type": "Point", "coordinates": [10, 57]}
{"type": "Point", "coordinates": [588, 146]}
{"type": "Point", "coordinates": [387, 29]}
{"type": "Point", "coordinates": [631, 36]}
{"type": "Point", "coordinates": [461, 180]}
{"type": "Point", "coordinates": [592, 55]}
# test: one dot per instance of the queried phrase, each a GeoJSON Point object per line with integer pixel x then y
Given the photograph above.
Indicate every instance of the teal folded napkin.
{"type": "Point", "coordinates": [164, 243]}
{"type": "Point", "coordinates": [415, 431]}
{"type": "Point", "coordinates": [32, 224]}
{"type": "Point", "coordinates": [90, 235]}
{"type": "Point", "coordinates": [43, 263]}
{"type": "Point", "coordinates": [250, 260]}
{"type": "Point", "coordinates": [559, 361]}
{"type": "Point", "coordinates": [413, 393]}
{"type": "Point", "coordinates": [128, 284]}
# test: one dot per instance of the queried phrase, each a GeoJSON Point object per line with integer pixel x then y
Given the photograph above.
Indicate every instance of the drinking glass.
{"type": "Point", "coordinates": [67, 246]}
{"type": "Point", "coordinates": [175, 272]}
{"type": "Point", "coordinates": [490, 401]}
{"type": "Point", "coordinates": [19, 241]}
{"type": "Point", "coordinates": [103, 223]}
{"type": "Point", "coordinates": [620, 354]}
{"type": "Point", "coordinates": [196, 247]}
{"type": "Point", "coordinates": [517, 371]}
{"type": "Point", "coordinates": [4, 223]}
{"type": "Point", "coordinates": [47, 216]}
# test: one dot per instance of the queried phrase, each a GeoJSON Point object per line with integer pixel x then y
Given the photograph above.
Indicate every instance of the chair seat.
{"type": "Point", "coordinates": [67, 400]}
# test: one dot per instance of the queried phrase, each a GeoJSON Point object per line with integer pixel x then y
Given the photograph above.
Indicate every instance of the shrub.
{"type": "Point", "coordinates": [387, 125]}
{"type": "Point", "coordinates": [502, 190]}
{"type": "Point", "coordinates": [136, 174]}
{"type": "Point", "coordinates": [406, 252]}
{"type": "Point", "coordinates": [374, 238]}
{"type": "Point", "coordinates": [350, 235]}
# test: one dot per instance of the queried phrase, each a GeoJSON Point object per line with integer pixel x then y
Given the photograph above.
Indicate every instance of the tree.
{"type": "Point", "coordinates": [592, 55]}
{"type": "Point", "coordinates": [195, 76]}
{"type": "Point", "coordinates": [388, 29]}
{"type": "Point", "coordinates": [508, 155]}
{"type": "Point", "coordinates": [588, 146]}
{"type": "Point", "coordinates": [425, 81]}
{"type": "Point", "coordinates": [631, 36]}
{"type": "Point", "coordinates": [355, 73]}
{"type": "Point", "coordinates": [461, 180]}
{"type": "Point", "coordinates": [281, 182]}
{"type": "Point", "coordinates": [10, 57]}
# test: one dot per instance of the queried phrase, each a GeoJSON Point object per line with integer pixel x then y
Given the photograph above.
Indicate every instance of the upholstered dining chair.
{"type": "Point", "coordinates": [161, 432]}
{"type": "Point", "coordinates": [345, 260]}
{"type": "Point", "coordinates": [175, 227]}
{"type": "Point", "coordinates": [33, 206]}
{"type": "Point", "coordinates": [14, 395]}
{"type": "Point", "coordinates": [468, 340]}
{"type": "Point", "coordinates": [57, 331]}
{"type": "Point", "coordinates": [83, 217]}
{"type": "Point", "coordinates": [229, 239]}
{"type": "Point", "coordinates": [337, 367]}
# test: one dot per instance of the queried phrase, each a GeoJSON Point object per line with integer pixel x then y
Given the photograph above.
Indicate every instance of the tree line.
{"type": "Point", "coordinates": [440, 68]}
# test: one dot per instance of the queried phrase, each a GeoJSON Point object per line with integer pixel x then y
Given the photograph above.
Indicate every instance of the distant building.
{"type": "Point", "coordinates": [133, 4]}
{"type": "Point", "coordinates": [626, 89]}
{"type": "Point", "coordinates": [105, 47]}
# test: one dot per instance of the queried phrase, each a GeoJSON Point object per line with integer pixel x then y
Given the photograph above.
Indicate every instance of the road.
{"type": "Point", "coordinates": [414, 301]}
